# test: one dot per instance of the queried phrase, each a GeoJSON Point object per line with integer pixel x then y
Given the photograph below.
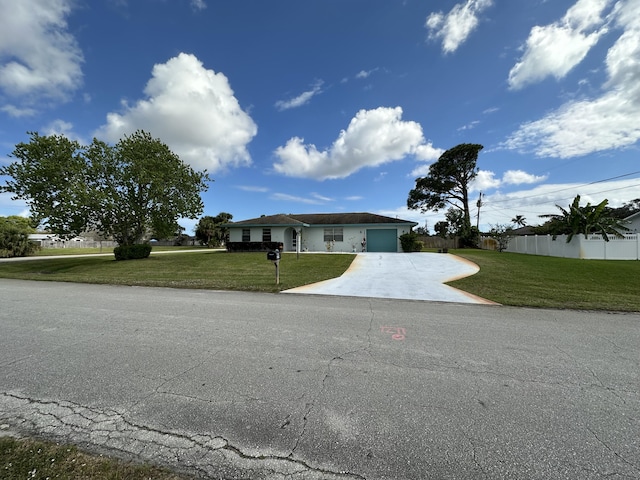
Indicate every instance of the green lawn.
{"type": "Point", "coordinates": [213, 269]}
{"type": "Point", "coordinates": [537, 281]}
{"type": "Point", "coordinates": [506, 278]}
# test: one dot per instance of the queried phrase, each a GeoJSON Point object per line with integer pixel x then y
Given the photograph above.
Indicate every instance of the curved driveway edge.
{"type": "Point", "coordinates": [407, 276]}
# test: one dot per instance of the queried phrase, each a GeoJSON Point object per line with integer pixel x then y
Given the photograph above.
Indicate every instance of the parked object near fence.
{"type": "Point", "coordinates": [594, 247]}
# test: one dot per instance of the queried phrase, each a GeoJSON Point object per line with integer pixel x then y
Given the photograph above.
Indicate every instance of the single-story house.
{"type": "Point", "coordinates": [319, 232]}
{"type": "Point", "coordinates": [49, 239]}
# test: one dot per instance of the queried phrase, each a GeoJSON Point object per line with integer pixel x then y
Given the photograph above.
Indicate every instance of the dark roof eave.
{"type": "Point", "coordinates": [361, 219]}
{"type": "Point", "coordinates": [240, 224]}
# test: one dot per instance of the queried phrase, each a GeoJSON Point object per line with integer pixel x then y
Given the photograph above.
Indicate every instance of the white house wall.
{"type": "Point", "coordinates": [277, 234]}
{"type": "Point", "coordinates": [312, 238]}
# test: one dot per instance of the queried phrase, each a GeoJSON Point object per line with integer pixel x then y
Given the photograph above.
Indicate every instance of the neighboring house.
{"type": "Point", "coordinates": [320, 232]}
{"type": "Point", "coordinates": [50, 239]}
{"type": "Point", "coordinates": [634, 223]}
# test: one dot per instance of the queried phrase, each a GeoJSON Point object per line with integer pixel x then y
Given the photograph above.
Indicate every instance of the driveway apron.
{"type": "Point", "coordinates": [408, 276]}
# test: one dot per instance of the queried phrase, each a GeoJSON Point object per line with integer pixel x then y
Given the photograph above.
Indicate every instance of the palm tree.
{"type": "Point", "coordinates": [585, 220]}
{"type": "Point", "coordinates": [519, 220]}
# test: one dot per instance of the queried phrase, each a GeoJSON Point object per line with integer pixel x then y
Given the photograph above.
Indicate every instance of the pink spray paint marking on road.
{"type": "Point", "coordinates": [397, 333]}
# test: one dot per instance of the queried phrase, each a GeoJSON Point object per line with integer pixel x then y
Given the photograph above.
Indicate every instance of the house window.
{"type": "Point", "coordinates": [333, 235]}
{"type": "Point", "coordinates": [246, 235]}
{"type": "Point", "coordinates": [266, 234]}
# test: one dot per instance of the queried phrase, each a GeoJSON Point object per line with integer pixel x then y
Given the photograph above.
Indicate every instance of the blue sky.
{"type": "Point", "coordinates": [338, 105]}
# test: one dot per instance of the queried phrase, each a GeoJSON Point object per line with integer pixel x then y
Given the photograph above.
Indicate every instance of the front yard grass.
{"type": "Point", "coordinates": [506, 278]}
{"type": "Point", "coordinates": [212, 269]}
{"type": "Point", "coordinates": [552, 282]}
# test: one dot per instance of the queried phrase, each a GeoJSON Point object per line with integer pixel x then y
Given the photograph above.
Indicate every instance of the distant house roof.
{"type": "Point", "coordinates": [309, 219]}
{"type": "Point", "coordinates": [526, 230]}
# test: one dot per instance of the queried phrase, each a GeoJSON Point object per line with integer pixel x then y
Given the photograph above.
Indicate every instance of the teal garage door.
{"type": "Point", "coordinates": [384, 240]}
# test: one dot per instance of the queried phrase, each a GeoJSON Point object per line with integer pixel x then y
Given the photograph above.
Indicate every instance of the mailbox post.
{"type": "Point", "coordinates": [274, 256]}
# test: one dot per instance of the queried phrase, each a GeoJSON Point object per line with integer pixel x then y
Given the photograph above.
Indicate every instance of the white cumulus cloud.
{"type": "Point", "coordinates": [191, 109]}
{"type": "Point", "coordinates": [454, 28]}
{"type": "Point", "coordinates": [519, 177]}
{"type": "Point", "coordinates": [373, 137]}
{"type": "Point", "coordinates": [589, 125]}
{"type": "Point", "coordinates": [39, 58]}
{"type": "Point", "coordinates": [486, 179]}
{"type": "Point", "coordinates": [555, 49]}
{"type": "Point", "coordinates": [426, 153]}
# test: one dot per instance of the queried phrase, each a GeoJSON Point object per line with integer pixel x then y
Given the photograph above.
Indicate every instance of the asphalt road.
{"type": "Point", "coordinates": [264, 386]}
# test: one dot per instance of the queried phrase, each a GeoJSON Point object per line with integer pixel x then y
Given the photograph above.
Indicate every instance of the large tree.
{"type": "Point", "coordinates": [123, 191]}
{"type": "Point", "coordinates": [447, 183]}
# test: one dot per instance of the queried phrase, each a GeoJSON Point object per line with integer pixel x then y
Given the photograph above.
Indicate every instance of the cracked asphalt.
{"type": "Point", "coordinates": [231, 385]}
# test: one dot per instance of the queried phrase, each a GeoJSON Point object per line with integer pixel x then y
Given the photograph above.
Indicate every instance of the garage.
{"type": "Point", "coordinates": [382, 240]}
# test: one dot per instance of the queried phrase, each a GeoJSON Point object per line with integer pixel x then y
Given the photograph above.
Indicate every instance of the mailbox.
{"type": "Point", "coordinates": [273, 255]}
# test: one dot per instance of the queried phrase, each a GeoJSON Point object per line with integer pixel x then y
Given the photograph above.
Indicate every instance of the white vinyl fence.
{"type": "Point", "coordinates": [57, 243]}
{"type": "Point", "coordinates": [591, 248]}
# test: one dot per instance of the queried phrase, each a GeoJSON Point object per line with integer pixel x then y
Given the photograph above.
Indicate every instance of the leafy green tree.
{"type": "Point", "coordinates": [210, 231]}
{"type": "Point", "coordinates": [626, 210]}
{"type": "Point", "coordinates": [205, 230]}
{"type": "Point", "coordinates": [442, 229]}
{"type": "Point", "coordinates": [14, 237]}
{"type": "Point", "coordinates": [455, 219]}
{"type": "Point", "coordinates": [590, 219]}
{"type": "Point", "coordinates": [222, 233]}
{"type": "Point", "coordinates": [123, 191]}
{"type": "Point", "coordinates": [447, 184]}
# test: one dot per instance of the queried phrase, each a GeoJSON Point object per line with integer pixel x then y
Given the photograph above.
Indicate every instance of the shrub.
{"type": "Point", "coordinates": [501, 234]}
{"type": "Point", "coordinates": [410, 243]}
{"type": "Point", "coordinates": [14, 237]}
{"type": "Point", "coordinates": [253, 246]}
{"type": "Point", "coordinates": [132, 252]}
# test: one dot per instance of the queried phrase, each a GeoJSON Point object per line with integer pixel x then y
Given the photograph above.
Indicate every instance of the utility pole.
{"type": "Point", "coordinates": [479, 204]}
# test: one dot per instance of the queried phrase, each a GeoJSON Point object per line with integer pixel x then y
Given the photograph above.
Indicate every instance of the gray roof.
{"type": "Point", "coordinates": [308, 219]}
{"type": "Point", "coordinates": [280, 219]}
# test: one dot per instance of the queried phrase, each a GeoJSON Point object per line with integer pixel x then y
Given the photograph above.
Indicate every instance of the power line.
{"type": "Point", "coordinates": [573, 188]}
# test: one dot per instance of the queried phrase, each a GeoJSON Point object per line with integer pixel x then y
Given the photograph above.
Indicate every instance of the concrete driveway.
{"type": "Point", "coordinates": [408, 276]}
